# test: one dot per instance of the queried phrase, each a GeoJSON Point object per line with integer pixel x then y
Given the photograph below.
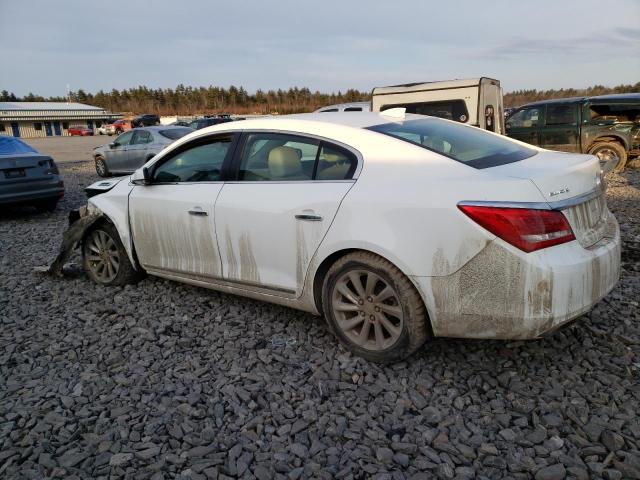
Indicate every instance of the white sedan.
{"type": "Point", "coordinates": [395, 227]}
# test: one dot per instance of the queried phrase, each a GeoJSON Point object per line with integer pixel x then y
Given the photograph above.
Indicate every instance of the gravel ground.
{"type": "Point", "coordinates": [164, 380]}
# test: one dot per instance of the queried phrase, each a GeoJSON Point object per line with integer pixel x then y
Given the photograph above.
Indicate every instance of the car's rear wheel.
{"type": "Point", "coordinates": [612, 156]}
{"type": "Point", "coordinates": [373, 308]}
{"type": "Point", "coordinates": [105, 258]}
{"type": "Point", "coordinates": [101, 167]}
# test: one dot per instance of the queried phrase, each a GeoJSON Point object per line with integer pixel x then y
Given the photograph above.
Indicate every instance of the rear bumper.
{"type": "Point", "coordinates": [31, 191]}
{"type": "Point", "coordinates": [503, 293]}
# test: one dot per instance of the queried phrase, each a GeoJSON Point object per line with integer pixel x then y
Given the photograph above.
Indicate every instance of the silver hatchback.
{"type": "Point", "coordinates": [134, 148]}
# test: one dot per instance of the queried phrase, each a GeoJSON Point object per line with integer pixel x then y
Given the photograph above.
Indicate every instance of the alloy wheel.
{"type": "Point", "coordinates": [102, 254]}
{"type": "Point", "coordinates": [609, 159]}
{"type": "Point", "coordinates": [367, 310]}
{"type": "Point", "coordinates": [101, 167]}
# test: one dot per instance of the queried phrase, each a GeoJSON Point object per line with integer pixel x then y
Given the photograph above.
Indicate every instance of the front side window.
{"type": "Point", "coordinates": [141, 137]}
{"type": "Point", "coordinates": [525, 118]}
{"type": "Point", "coordinates": [561, 114]}
{"type": "Point", "coordinates": [449, 109]}
{"type": "Point", "coordinates": [196, 163]}
{"type": "Point", "coordinates": [124, 139]}
{"type": "Point", "coordinates": [471, 146]}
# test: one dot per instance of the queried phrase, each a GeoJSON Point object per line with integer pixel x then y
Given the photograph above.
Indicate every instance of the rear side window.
{"type": "Point", "coordinates": [561, 114]}
{"type": "Point", "coordinates": [449, 109]}
{"type": "Point", "coordinates": [353, 109]}
{"type": "Point", "coordinates": [469, 145]}
{"type": "Point", "coordinates": [285, 158]}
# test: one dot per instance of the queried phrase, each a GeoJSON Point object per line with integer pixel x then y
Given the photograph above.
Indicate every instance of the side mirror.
{"type": "Point", "coordinates": [113, 144]}
{"type": "Point", "coordinates": [141, 177]}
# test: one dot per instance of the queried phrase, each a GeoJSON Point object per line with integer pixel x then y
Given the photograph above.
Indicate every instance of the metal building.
{"type": "Point", "coordinates": [49, 119]}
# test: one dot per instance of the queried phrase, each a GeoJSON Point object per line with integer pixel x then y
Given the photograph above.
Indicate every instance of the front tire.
{"type": "Point", "coordinates": [105, 259]}
{"type": "Point", "coordinates": [612, 156]}
{"type": "Point", "coordinates": [101, 167]}
{"type": "Point", "coordinates": [373, 308]}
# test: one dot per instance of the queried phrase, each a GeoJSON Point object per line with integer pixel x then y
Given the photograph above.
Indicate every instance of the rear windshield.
{"type": "Point", "coordinates": [13, 146]}
{"type": "Point", "coordinates": [469, 145]}
{"type": "Point", "coordinates": [449, 109]}
{"type": "Point", "coordinates": [175, 133]}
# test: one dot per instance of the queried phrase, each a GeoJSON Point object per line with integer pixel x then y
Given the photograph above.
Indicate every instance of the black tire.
{"type": "Point", "coordinates": [47, 204]}
{"type": "Point", "coordinates": [101, 167]}
{"type": "Point", "coordinates": [610, 149]}
{"type": "Point", "coordinates": [121, 270]}
{"type": "Point", "coordinates": [412, 330]}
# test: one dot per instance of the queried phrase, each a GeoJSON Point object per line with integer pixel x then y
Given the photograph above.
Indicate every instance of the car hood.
{"type": "Point", "coordinates": [103, 186]}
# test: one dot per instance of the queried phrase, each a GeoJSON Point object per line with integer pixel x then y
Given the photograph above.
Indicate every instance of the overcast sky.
{"type": "Point", "coordinates": [326, 45]}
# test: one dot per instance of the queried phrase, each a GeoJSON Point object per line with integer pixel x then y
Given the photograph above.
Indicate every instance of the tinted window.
{"type": "Point", "coordinates": [200, 163]}
{"type": "Point", "coordinates": [125, 138]}
{"type": "Point", "coordinates": [329, 110]}
{"type": "Point", "coordinates": [561, 115]}
{"type": "Point", "coordinates": [277, 157]}
{"type": "Point", "coordinates": [353, 109]}
{"type": "Point", "coordinates": [141, 136]}
{"type": "Point", "coordinates": [468, 145]}
{"type": "Point", "coordinates": [450, 109]}
{"type": "Point", "coordinates": [335, 163]}
{"type": "Point", "coordinates": [525, 118]}
{"type": "Point", "coordinates": [175, 133]}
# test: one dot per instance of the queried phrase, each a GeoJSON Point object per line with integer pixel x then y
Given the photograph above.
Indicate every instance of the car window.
{"type": "Point", "coordinates": [469, 145]}
{"type": "Point", "coordinates": [277, 157]}
{"type": "Point", "coordinates": [125, 138]}
{"type": "Point", "coordinates": [353, 109]}
{"type": "Point", "coordinates": [525, 118]}
{"type": "Point", "coordinates": [199, 163]}
{"type": "Point", "coordinates": [449, 109]}
{"type": "Point", "coordinates": [561, 115]}
{"type": "Point", "coordinates": [335, 163]}
{"type": "Point", "coordinates": [329, 110]}
{"type": "Point", "coordinates": [141, 137]}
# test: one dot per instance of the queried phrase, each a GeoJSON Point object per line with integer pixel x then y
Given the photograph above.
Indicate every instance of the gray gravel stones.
{"type": "Point", "coordinates": [162, 380]}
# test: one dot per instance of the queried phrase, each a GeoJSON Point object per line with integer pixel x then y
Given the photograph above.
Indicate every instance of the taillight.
{"type": "Point", "coordinates": [526, 229]}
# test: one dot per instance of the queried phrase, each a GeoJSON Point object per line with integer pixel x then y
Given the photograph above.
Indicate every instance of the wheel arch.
{"type": "Point", "coordinates": [609, 137]}
{"type": "Point", "coordinates": [323, 267]}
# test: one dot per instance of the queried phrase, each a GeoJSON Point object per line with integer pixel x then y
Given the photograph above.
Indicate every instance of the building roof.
{"type": "Point", "coordinates": [31, 106]}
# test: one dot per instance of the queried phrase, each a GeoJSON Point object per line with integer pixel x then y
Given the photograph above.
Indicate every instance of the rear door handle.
{"type": "Point", "coordinates": [198, 211]}
{"type": "Point", "coordinates": [311, 217]}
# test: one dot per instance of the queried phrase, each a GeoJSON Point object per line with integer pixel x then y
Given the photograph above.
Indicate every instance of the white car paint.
{"type": "Point", "coordinates": [402, 205]}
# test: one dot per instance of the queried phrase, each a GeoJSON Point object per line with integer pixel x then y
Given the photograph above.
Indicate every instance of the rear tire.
{"type": "Point", "coordinates": [101, 167]}
{"type": "Point", "coordinates": [373, 308]}
{"type": "Point", "coordinates": [105, 259]}
{"type": "Point", "coordinates": [612, 156]}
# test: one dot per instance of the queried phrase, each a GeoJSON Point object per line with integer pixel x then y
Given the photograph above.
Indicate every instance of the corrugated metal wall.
{"type": "Point", "coordinates": [28, 128]}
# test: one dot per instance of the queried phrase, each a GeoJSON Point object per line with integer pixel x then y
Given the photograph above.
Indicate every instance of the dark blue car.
{"type": "Point", "coordinates": [27, 176]}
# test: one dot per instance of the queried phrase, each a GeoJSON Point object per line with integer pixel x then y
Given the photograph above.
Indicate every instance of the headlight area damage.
{"type": "Point", "coordinates": [79, 222]}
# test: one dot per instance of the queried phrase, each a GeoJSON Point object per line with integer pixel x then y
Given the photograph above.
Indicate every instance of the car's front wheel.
{"type": "Point", "coordinates": [101, 167]}
{"type": "Point", "coordinates": [373, 308]}
{"type": "Point", "coordinates": [105, 258]}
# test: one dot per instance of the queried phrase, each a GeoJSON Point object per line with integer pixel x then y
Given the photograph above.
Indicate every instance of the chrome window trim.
{"type": "Point", "coordinates": [558, 205]}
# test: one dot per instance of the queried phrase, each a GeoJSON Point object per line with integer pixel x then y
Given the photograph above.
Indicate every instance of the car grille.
{"type": "Point", "coordinates": [588, 220]}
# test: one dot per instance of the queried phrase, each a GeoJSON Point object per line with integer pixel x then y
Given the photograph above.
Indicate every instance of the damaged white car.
{"type": "Point", "coordinates": [395, 227]}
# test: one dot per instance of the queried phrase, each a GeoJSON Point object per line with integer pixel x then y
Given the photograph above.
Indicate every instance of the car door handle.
{"type": "Point", "coordinates": [198, 211]}
{"type": "Point", "coordinates": [311, 217]}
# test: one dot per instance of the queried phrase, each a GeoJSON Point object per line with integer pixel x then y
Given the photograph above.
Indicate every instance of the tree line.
{"type": "Point", "coordinates": [187, 100]}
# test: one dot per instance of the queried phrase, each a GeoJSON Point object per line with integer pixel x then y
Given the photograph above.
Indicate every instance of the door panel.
{"type": "Point", "coordinates": [269, 231]}
{"type": "Point", "coordinates": [524, 125]}
{"type": "Point", "coordinates": [560, 130]}
{"type": "Point", "coordinates": [117, 157]}
{"type": "Point", "coordinates": [173, 228]}
{"type": "Point", "coordinates": [137, 150]}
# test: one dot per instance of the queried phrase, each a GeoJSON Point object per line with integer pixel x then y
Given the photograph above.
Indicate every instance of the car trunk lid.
{"type": "Point", "coordinates": [27, 167]}
{"type": "Point", "coordinates": [571, 183]}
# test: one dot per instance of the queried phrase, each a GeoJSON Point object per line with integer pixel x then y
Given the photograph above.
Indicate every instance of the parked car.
{"type": "Point", "coordinates": [346, 107]}
{"type": "Point", "coordinates": [27, 176]}
{"type": "Point", "coordinates": [395, 227]}
{"type": "Point", "coordinates": [146, 120]}
{"type": "Point", "coordinates": [118, 127]}
{"type": "Point", "coordinates": [508, 111]}
{"type": "Point", "coordinates": [607, 126]}
{"type": "Point", "coordinates": [133, 148]}
{"type": "Point", "coordinates": [103, 129]}
{"type": "Point", "coordinates": [209, 121]}
{"type": "Point", "coordinates": [474, 101]}
{"type": "Point", "coordinates": [79, 131]}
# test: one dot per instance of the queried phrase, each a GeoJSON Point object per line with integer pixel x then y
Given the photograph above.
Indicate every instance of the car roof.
{"type": "Point", "coordinates": [625, 97]}
{"type": "Point", "coordinates": [157, 128]}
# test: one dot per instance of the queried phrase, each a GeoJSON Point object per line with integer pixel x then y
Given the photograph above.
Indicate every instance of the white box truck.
{"type": "Point", "coordinates": [476, 101]}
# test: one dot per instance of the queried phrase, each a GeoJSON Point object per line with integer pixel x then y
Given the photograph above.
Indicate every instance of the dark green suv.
{"type": "Point", "coordinates": [607, 126]}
